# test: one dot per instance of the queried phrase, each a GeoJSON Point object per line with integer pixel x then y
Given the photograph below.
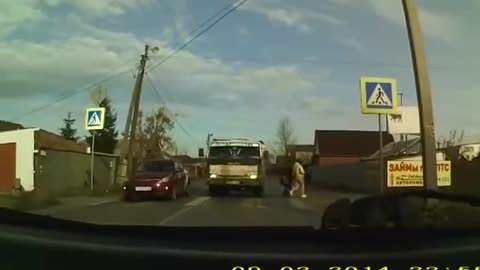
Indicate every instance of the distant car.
{"type": "Point", "coordinates": [157, 179]}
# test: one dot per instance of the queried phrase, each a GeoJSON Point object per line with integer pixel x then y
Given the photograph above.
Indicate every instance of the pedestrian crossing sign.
{"type": "Point", "coordinates": [95, 119]}
{"type": "Point", "coordinates": [379, 95]}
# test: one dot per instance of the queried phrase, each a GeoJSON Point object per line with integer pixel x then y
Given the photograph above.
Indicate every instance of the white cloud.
{"type": "Point", "coordinates": [282, 16]}
{"type": "Point", "coordinates": [342, 2]}
{"type": "Point", "coordinates": [19, 13]}
{"type": "Point", "coordinates": [351, 43]}
{"type": "Point", "coordinates": [90, 54]}
{"type": "Point", "coordinates": [297, 18]}
{"type": "Point", "coordinates": [442, 26]}
{"type": "Point", "coordinates": [274, 79]}
{"type": "Point", "coordinates": [437, 25]}
{"type": "Point", "coordinates": [103, 7]}
{"type": "Point", "coordinates": [318, 104]}
{"type": "Point", "coordinates": [243, 30]}
{"type": "Point", "coordinates": [14, 14]}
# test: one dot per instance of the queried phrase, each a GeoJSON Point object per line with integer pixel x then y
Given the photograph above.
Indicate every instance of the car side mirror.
{"type": "Point", "coordinates": [201, 152]}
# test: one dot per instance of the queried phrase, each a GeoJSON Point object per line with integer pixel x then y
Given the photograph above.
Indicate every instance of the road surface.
{"type": "Point", "coordinates": [199, 209]}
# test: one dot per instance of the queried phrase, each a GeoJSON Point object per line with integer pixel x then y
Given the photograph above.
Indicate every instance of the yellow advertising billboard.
{"type": "Point", "coordinates": [409, 173]}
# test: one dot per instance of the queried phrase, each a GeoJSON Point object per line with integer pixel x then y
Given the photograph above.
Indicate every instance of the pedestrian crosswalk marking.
{"type": "Point", "coordinates": [378, 97]}
{"type": "Point", "coordinates": [259, 204]}
{"type": "Point", "coordinates": [253, 203]}
{"type": "Point", "coordinates": [248, 203]}
{"type": "Point", "coordinates": [188, 207]}
{"type": "Point", "coordinates": [197, 201]}
{"type": "Point", "coordinates": [175, 215]}
{"type": "Point", "coordinates": [295, 203]}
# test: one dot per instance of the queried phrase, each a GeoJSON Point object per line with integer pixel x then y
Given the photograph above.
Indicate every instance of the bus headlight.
{"type": "Point", "coordinates": [213, 176]}
{"type": "Point", "coordinates": [252, 176]}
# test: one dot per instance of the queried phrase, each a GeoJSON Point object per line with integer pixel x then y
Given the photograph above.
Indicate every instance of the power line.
{"type": "Point", "coordinates": [71, 94]}
{"type": "Point", "coordinates": [79, 90]}
{"type": "Point", "coordinates": [232, 9]}
{"type": "Point", "coordinates": [200, 26]}
{"type": "Point", "coordinates": [226, 7]}
{"type": "Point", "coordinates": [154, 88]}
{"type": "Point", "coordinates": [341, 63]}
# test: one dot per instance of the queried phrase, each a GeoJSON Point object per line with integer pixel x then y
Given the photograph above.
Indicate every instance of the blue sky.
{"type": "Point", "coordinates": [267, 60]}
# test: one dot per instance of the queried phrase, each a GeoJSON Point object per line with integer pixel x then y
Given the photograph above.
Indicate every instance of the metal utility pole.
{"type": "Point", "coordinates": [424, 95]}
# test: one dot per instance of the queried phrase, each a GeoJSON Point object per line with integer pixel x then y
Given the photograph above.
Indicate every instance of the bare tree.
{"type": "Point", "coordinates": [98, 94]}
{"type": "Point", "coordinates": [140, 141]}
{"type": "Point", "coordinates": [153, 139]}
{"type": "Point", "coordinates": [156, 128]}
{"type": "Point", "coordinates": [285, 136]}
{"type": "Point", "coordinates": [181, 150]}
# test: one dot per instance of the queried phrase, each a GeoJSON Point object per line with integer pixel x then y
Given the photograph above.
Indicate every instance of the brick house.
{"type": "Point", "coordinates": [337, 147]}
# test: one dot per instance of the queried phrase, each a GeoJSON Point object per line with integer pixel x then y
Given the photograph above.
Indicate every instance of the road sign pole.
{"type": "Point", "coordinates": [381, 171]}
{"type": "Point", "coordinates": [92, 162]}
{"type": "Point", "coordinates": [94, 121]}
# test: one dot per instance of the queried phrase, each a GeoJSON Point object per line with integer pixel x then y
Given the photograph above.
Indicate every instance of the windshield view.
{"type": "Point", "coordinates": [237, 113]}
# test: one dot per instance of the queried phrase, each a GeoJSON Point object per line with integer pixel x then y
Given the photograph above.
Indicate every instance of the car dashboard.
{"type": "Point", "coordinates": [30, 241]}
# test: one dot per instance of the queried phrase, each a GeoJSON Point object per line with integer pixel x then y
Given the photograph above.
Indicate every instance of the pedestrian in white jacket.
{"type": "Point", "coordinates": [298, 177]}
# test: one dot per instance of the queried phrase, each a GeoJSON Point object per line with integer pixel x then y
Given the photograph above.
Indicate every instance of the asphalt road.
{"type": "Point", "coordinates": [199, 209]}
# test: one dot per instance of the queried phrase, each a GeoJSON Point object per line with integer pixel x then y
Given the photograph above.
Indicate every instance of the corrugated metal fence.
{"type": "Point", "coordinates": [364, 176]}
{"type": "Point", "coordinates": [57, 172]}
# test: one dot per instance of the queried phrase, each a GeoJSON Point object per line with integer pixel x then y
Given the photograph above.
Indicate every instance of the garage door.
{"type": "Point", "coordinates": [7, 166]}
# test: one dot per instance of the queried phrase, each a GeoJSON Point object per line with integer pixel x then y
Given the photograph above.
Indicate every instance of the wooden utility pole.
{"type": "Point", "coordinates": [424, 95]}
{"type": "Point", "coordinates": [132, 118]}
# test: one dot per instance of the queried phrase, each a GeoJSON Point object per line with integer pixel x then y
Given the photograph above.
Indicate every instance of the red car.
{"type": "Point", "coordinates": [157, 179]}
